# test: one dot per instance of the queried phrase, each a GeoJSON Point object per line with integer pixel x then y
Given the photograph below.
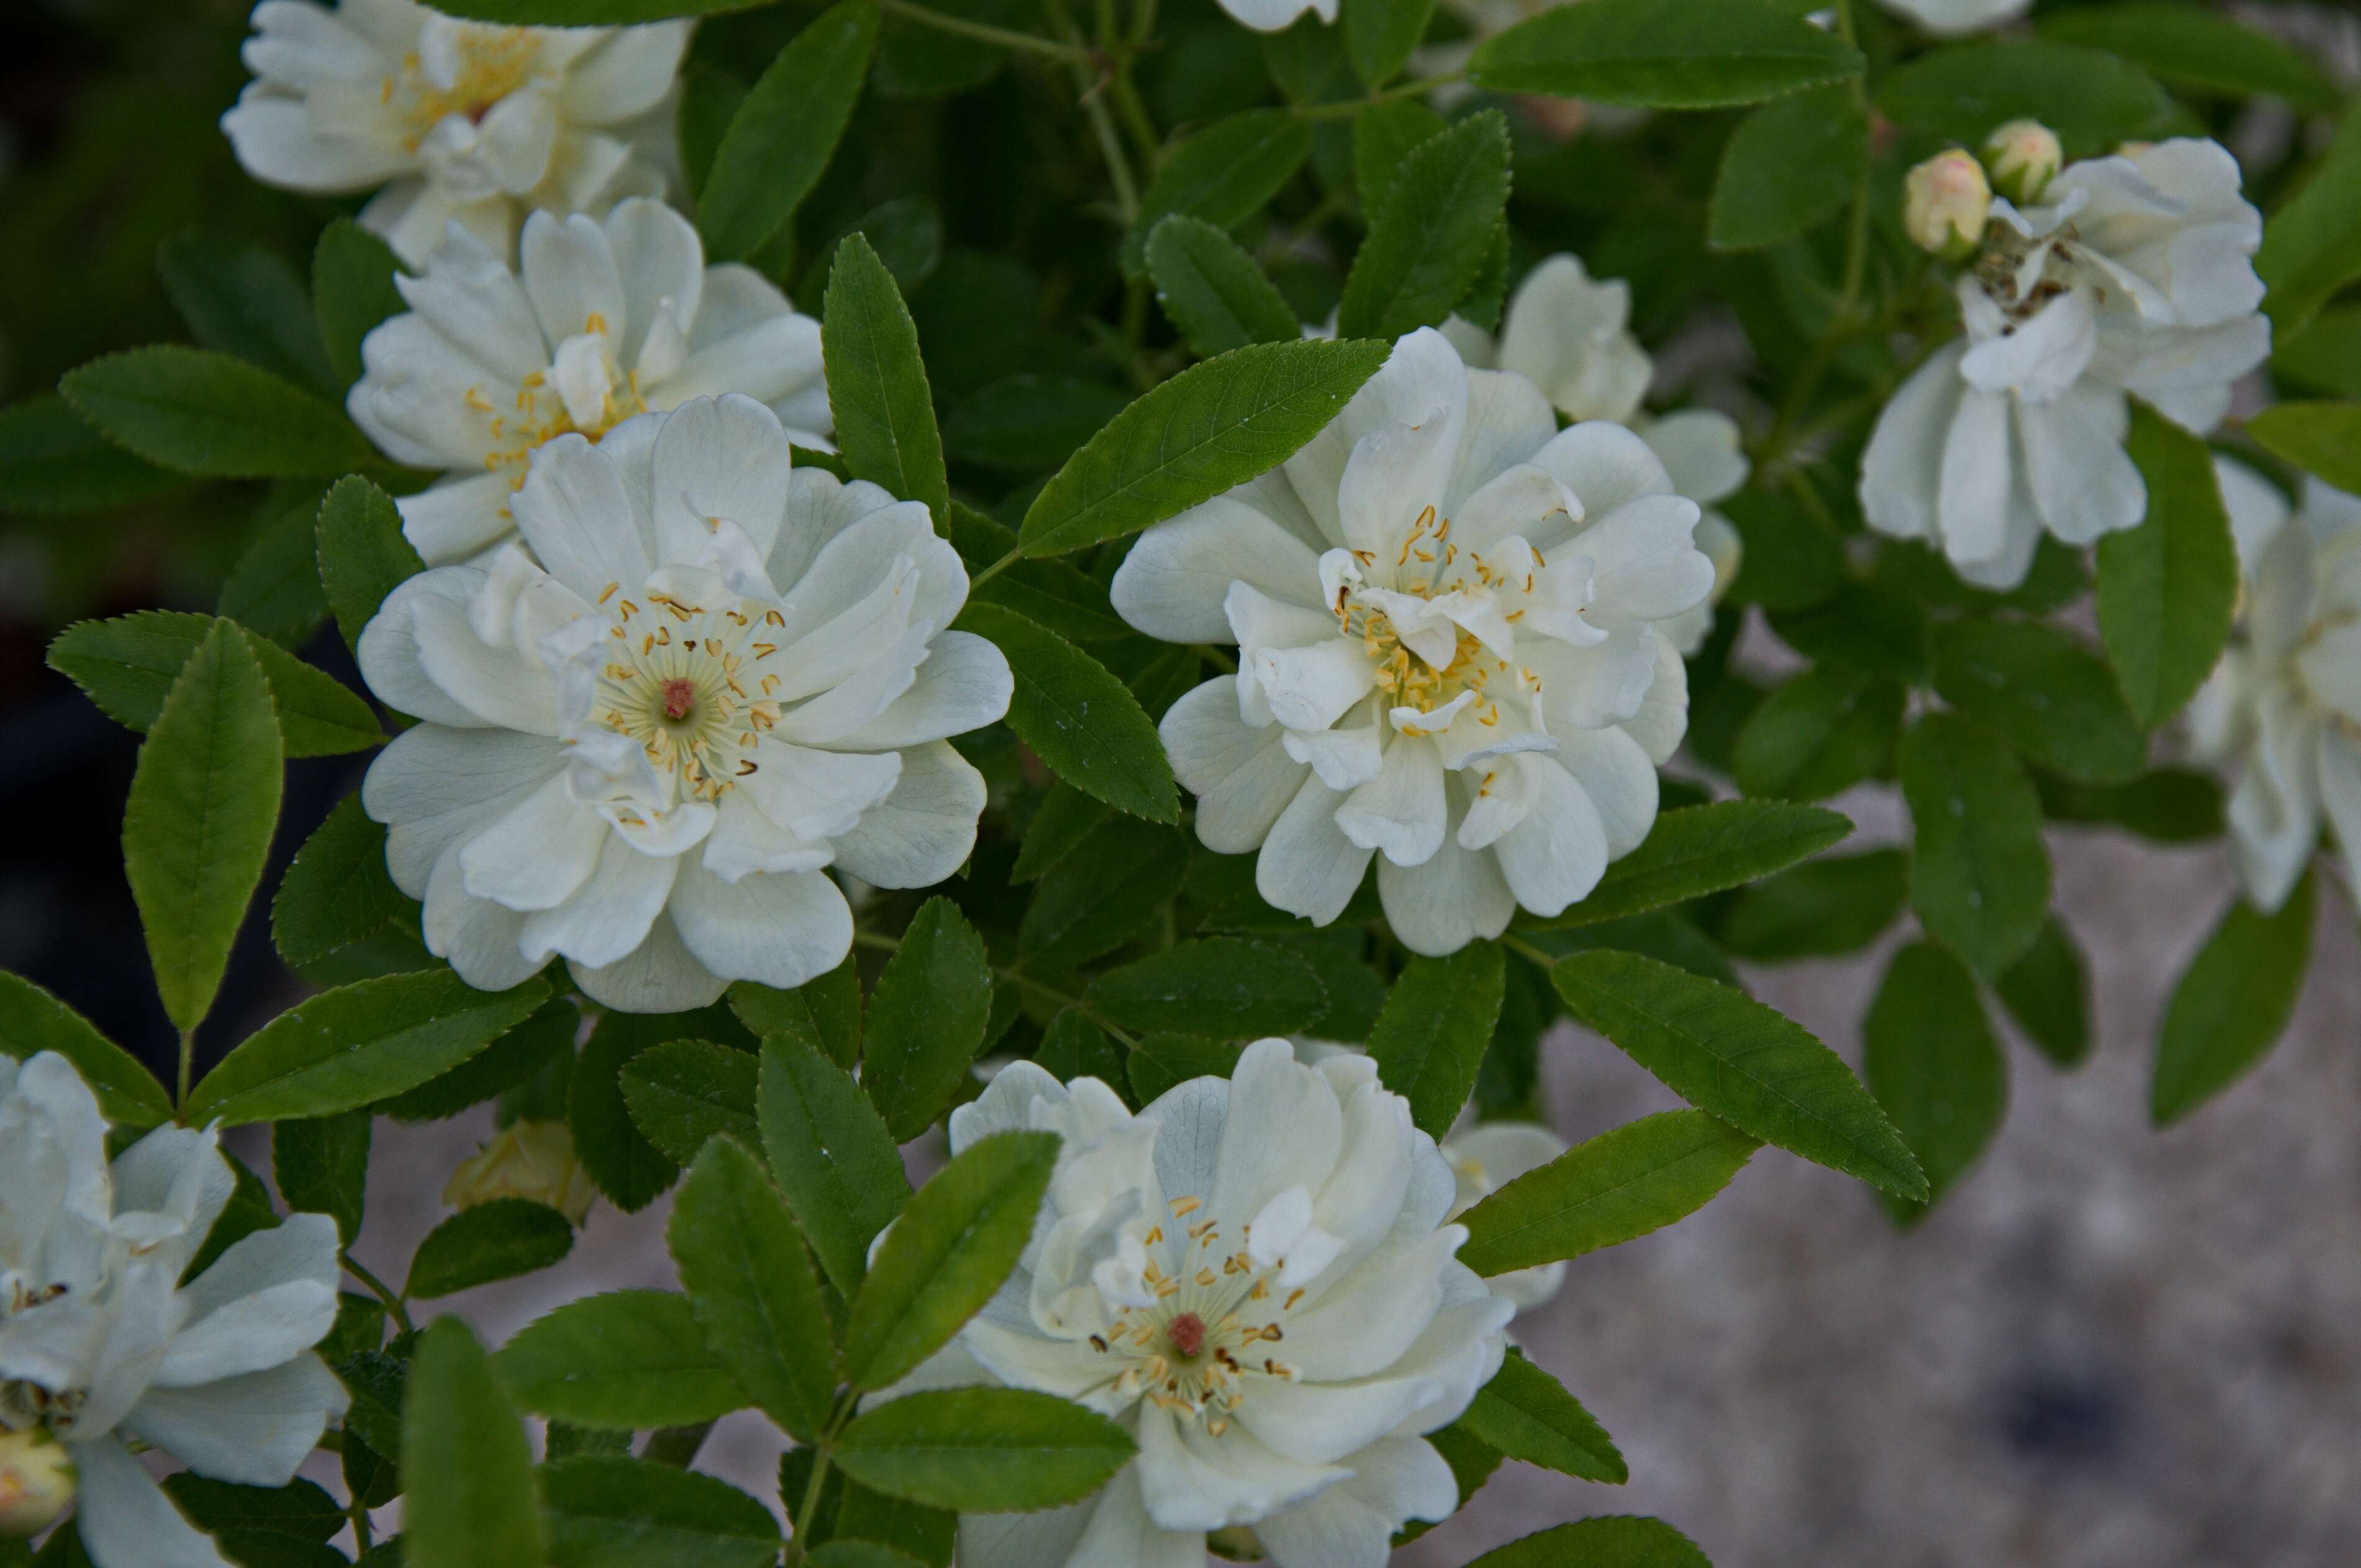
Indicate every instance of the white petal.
{"type": "Point", "coordinates": [1663, 713]}
{"type": "Point", "coordinates": [1977, 476]}
{"type": "Point", "coordinates": [455, 519]}
{"type": "Point", "coordinates": [809, 792]}
{"type": "Point", "coordinates": [609, 914]}
{"type": "Point", "coordinates": [719, 459]}
{"type": "Point", "coordinates": [502, 687]}
{"type": "Point", "coordinates": [1401, 810]}
{"type": "Point", "coordinates": [1566, 333]}
{"type": "Point", "coordinates": [1901, 471]}
{"type": "Point", "coordinates": [435, 785]}
{"type": "Point", "coordinates": [1174, 582]}
{"type": "Point", "coordinates": [274, 140]}
{"type": "Point", "coordinates": [780, 930]}
{"type": "Point", "coordinates": [1283, 1132]}
{"type": "Point", "coordinates": [773, 361]}
{"type": "Point", "coordinates": [660, 976]}
{"type": "Point", "coordinates": [483, 941]}
{"type": "Point", "coordinates": [1644, 564]}
{"type": "Point", "coordinates": [1616, 774]}
{"type": "Point", "coordinates": [925, 829]}
{"type": "Point", "coordinates": [570, 276]}
{"type": "Point", "coordinates": [964, 684]}
{"type": "Point", "coordinates": [1352, 1524]}
{"type": "Point", "coordinates": [1308, 866]}
{"type": "Point", "coordinates": [1604, 465]}
{"type": "Point", "coordinates": [125, 1518]}
{"type": "Point", "coordinates": [626, 73]}
{"type": "Point", "coordinates": [574, 513]}
{"type": "Point", "coordinates": [388, 651]}
{"type": "Point", "coordinates": [1192, 1481]}
{"type": "Point", "coordinates": [1310, 688]}
{"type": "Point", "coordinates": [1558, 852]}
{"type": "Point", "coordinates": [538, 854]}
{"type": "Point", "coordinates": [1449, 900]}
{"type": "Point", "coordinates": [2084, 482]}
{"type": "Point", "coordinates": [1702, 452]}
{"type": "Point", "coordinates": [253, 1430]}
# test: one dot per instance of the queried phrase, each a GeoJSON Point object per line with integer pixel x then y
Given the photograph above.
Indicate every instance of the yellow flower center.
{"type": "Point", "coordinates": [493, 63]}
{"type": "Point", "coordinates": [684, 681]}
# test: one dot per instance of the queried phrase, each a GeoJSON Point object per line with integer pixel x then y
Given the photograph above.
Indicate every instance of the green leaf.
{"type": "Point", "coordinates": [474, 1501]}
{"type": "Point", "coordinates": [1703, 54]}
{"type": "Point", "coordinates": [2324, 355]}
{"type": "Point", "coordinates": [1223, 175]}
{"type": "Point", "coordinates": [2312, 246]}
{"type": "Point", "coordinates": [1422, 253]}
{"type": "Point", "coordinates": [626, 1168]}
{"type": "Point", "coordinates": [1112, 886]}
{"type": "Point", "coordinates": [622, 1360]}
{"type": "Point", "coordinates": [831, 1156]}
{"type": "Point", "coordinates": [860, 1555]}
{"type": "Point", "coordinates": [1029, 422]}
{"type": "Point", "coordinates": [496, 1240]}
{"type": "Point", "coordinates": [2168, 588]}
{"type": "Point", "coordinates": [352, 291]}
{"type": "Point", "coordinates": [1430, 1038]}
{"type": "Point", "coordinates": [274, 589]}
{"type": "Point", "coordinates": [876, 382]}
{"type": "Point", "coordinates": [1622, 1184]}
{"type": "Point", "coordinates": [1054, 594]}
{"type": "Point", "coordinates": [2093, 100]}
{"type": "Point", "coordinates": [204, 801]}
{"type": "Point", "coordinates": [1073, 1046]}
{"type": "Point", "coordinates": [709, 98]}
{"type": "Point", "coordinates": [1788, 165]}
{"type": "Point", "coordinates": [952, 1247]}
{"type": "Point", "coordinates": [1383, 135]}
{"type": "Point", "coordinates": [337, 890]}
{"type": "Point", "coordinates": [1695, 849]}
{"type": "Point", "coordinates": [1380, 36]}
{"type": "Point", "coordinates": [201, 413]}
{"type": "Point", "coordinates": [1611, 1540]}
{"type": "Point", "coordinates": [823, 1012]}
{"type": "Point", "coordinates": [239, 299]}
{"type": "Point", "coordinates": [2320, 438]}
{"type": "Point", "coordinates": [1834, 906]}
{"type": "Point", "coordinates": [1724, 1052]}
{"type": "Point", "coordinates": [1207, 430]}
{"type": "Point", "coordinates": [1929, 1056]}
{"type": "Point", "coordinates": [2203, 51]}
{"type": "Point", "coordinates": [682, 1093]}
{"type": "Point", "coordinates": [33, 1021]}
{"type": "Point", "coordinates": [781, 139]}
{"type": "Point", "coordinates": [53, 460]}
{"type": "Point", "coordinates": [1979, 870]}
{"type": "Point", "coordinates": [357, 1044]}
{"type": "Point", "coordinates": [984, 1450]}
{"type": "Point", "coordinates": [2047, 991]}
{"type": "Point", "coordinates": [2169, 805]}
{"type": "Point", "coordinates": [531, 1048]}
{"type": "Point", "coordinates": [926, 1019]}
{"type": "Point", "coordinates": [1792, 560]}
{"type": "Point", "coordinates": [1528, 1415]}
{"type": "Point", "coordinates": [2231, 1003]}
{"type": "Point", "coordinates": [750, 1283]}
{"type": "Point", "coordinates": [300, 1510]}
{"type": "Point", "coordinates": [618, 1512]}
{"type": "Point", "coordinates": [1213, 291]}
{"type": "Point", "coordinates": [1222, 987]}
{"type": "Point", "coordinates": [2046, 691]}
{"type": "Point", "coordinates": [1080, 719]}
{"type": "Point", "coordinates": [321, 1164]}
{"type": "Point", "coordinates": [363, 553]}
{"type": "Point", "coordinates": [1161, 1061]}
{"type": "Point", "coordinates": [1818, 734]}
{"type": "Point", "coordinates": [127, 665]}
{"type": "Point", "coordinates": [1866, 630]}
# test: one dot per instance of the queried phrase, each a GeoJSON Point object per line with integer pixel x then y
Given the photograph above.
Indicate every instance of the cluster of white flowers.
{"type": "Point", "coordinates": [707, 678]}
{"type": "Point", "coordinates": [103, 1345]}
{"type": "Point", "coordinates": [458, 122]}
{"type": "Point", "coordinates": [2129, 274]}
{"type": "Point", "coordinates": [1447, 618]}
{"type": "Point", "coordinates": [1255, 1276]}
{"type": "Point", "coordinates": [2283, 709]}
{"type": "Point", "coordinates": [602, 321]}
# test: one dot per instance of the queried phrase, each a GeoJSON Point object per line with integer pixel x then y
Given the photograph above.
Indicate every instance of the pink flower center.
{"type": "Point", "coordinates": [679, 697]}
{"type": "Point", "coordinates": [1187, 1333]}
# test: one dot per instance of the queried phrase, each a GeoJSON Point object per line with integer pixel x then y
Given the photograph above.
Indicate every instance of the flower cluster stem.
{"type": "Point", "coordinates": [1007, 38]}
{"type": "Point", "coordinates": [394, 1306]}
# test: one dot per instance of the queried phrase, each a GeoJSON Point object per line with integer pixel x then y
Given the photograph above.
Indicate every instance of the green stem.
{"type": "Point", "coordinates": [1525, 949]}
{"type": "Point", "coordinates": [188, 1060]}
{"type": "Point", "coordinates": [996, 569]}
{"type": "Point", "coordinates": [1007, 38]}
{"type": "Point", "coordinates": [358, 1511]}
{"type": "Point", "coordinates": [1351, 106]}
{"type": "Point", "coordinates": [378, 1289]}
{"type": "Point", "coordinates": [823, 1450]}
{"type": "Point", "coordinates": [1014, 975]}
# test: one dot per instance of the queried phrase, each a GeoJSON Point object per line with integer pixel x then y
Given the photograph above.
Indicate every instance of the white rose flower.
{"type": "Point", "coordinates": [602, 321]}
{"type": "Point", "coordinates": [1949, 18]}
{"type": "Point", "coordinates": [2133, 276]}
{"type": "Point", "coordinates": [1254, 1275]}
{"type": "Point", "coordinates": [1446, 613]}
{"type": "Point", "coordinates": [640, 752]}
{"type": "Point", "coordinates": [463, 122]}
{"type": "Point", "coordinates": [2283, 709]}
{"type": "Point", "coordinates": [1571, 337]}
{"type": "Point", "coordinates": [1484, 1158]}
{"type": "Point", "coordinates": [101, 1343]}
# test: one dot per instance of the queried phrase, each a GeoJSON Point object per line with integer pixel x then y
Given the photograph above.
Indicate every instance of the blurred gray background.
{"type": "Point", "coordinates": [2107, 1348]}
